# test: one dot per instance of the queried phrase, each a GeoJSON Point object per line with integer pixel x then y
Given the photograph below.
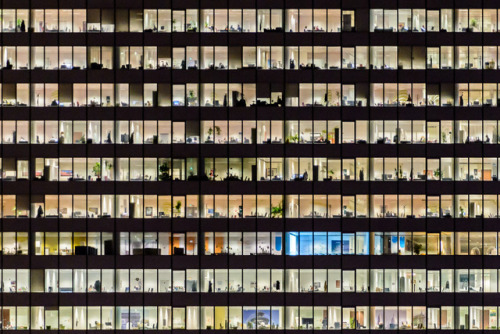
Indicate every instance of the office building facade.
{"type": "Point", "coordinates": [233, 165]}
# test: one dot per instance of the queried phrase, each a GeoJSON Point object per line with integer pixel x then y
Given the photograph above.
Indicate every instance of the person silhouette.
{"type": "Point", "coordinates": [39, 213]}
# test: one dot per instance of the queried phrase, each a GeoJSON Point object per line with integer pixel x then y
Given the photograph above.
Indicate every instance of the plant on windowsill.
{"type": "Point", "coordinates": [210, 132]}
{"type": "Point", "coordinates": [473, 24]}
{"type": "Point", "coordinates": [191, 98]}
{"type": "Point", "coordinates": [437, 174]}
{"type": "Point", "coordinates": [97, 171]}
{"type": "Point", "coordinates": [292, 139]}
{"type": "Point", "coordinates": [277, 211]}
{"type": "Point", "coordinates": [332, 173]}
{"type": "Point", "coordinates": [164, 172]}
{"type": "Point", "coordinates": [417, 248]}
{"type": "Point", "coordinates": [177, 207]}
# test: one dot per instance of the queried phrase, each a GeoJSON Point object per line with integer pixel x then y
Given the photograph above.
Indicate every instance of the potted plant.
{"type": "Point", "coordinates": [191, 98]}
{"type": "Point", "coordinates": [277, 211]}
{"type": "Point", "coordinates": [437, 173]}
{"type": "Point", "coordinates": [97, 171]}
{"type": "Point", "coordinates": [217, 130]}
{"type": "Point", "coordinates": [417, 248]}
{"type": "Point", "coordinates": [164, 170]}
{"type": "Point", "coordinates": [210, 131]}
{"type": "Point", "coordinates": [109, 166]}
{"type": "Point", "coordinates": [473, 24]}
{"type": "Point", "coordinates": [292, 139]}
{"type": "Point", "coordinates": [177, 207]}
